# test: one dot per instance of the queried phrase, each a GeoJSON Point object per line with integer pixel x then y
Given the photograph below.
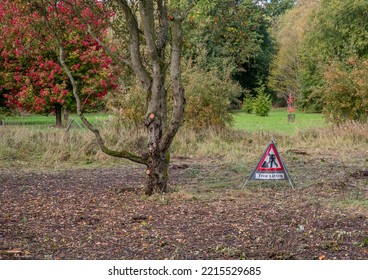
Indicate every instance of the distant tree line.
{"type": "Point", "coordinates": [322, 58]}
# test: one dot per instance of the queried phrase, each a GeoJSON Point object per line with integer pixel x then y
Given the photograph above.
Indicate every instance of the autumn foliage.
{"type": "Point", "coordinates": [31, 74]}
{"type": "Point", "coordinates": [346, 92]}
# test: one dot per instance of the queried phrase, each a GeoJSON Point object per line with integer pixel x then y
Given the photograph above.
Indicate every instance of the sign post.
{"type": "Point", "coordinates": [270, 167]}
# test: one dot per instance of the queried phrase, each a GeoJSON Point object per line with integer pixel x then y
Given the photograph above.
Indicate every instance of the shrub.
{"type": "Point", "coordinates": [262, 103]}
{"type": "Point", "coordinates": [248, 103]}
{"type": "Point", "coordinates": [128, 105]}
{"type": "Point", "coordinates": [208, 98]}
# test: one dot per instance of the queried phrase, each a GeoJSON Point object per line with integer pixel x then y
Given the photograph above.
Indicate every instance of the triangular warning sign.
{"type": "Point", "coordinates": [270, 166]}
{"type": "Point", "coordinates": [270, 160]}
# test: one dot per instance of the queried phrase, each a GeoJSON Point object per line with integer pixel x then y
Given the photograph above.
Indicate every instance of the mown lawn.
{"type": "Point", "coordinates": [40, 120]}
{"type": "Point", "coordinates": [277, 121]}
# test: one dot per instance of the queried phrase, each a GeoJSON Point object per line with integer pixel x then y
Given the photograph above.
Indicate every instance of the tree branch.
{"type": "Point", "coordinates": [146, 11]}
{"type": "Point", "coordinates": [107, 49]}
{"type": "Point", "coordinates": [164, 28]}
{"type": "Point", "coordinates": [134, 47]}
{"type": "Point", "coordinates": [96, 132]}
{"type": "Point", "coordinates": [177, 86]}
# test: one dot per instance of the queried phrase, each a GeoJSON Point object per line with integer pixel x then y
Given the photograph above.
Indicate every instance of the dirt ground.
{"type": "Point", "coordinates": [103, 213]}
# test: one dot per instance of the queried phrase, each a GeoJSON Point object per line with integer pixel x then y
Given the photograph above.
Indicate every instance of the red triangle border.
{"type": "Point", "coordinates": [266, 153]}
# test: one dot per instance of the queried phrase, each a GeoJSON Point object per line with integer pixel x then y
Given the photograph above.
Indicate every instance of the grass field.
{"type": "Point", "coordinates": [39, 120]}
{"type": "Point", "coordinates": [277, 121]}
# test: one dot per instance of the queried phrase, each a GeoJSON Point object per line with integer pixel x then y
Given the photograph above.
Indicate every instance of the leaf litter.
{"type": "Point", "coordinates": [104, 214]}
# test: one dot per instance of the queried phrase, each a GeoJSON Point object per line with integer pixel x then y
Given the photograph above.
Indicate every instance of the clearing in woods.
{"type": "Point", "coordinates": [101, 212]}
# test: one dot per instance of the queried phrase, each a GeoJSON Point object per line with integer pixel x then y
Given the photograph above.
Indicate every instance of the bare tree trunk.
{"type": "Point", "coordinates": [157, 169]}
{"type": "Point", "coordinates": [158, 174]}
{"type": "Point", "coordinates": [58, 113]}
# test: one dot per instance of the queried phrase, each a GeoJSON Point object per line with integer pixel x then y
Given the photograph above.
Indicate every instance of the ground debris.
{"type": "Point", "coordinates": [54, 215]}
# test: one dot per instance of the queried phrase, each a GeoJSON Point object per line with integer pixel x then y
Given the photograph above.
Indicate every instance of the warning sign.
{"type": "Point", "coordinates": [270, 166]}
{"type": "Point", "coordinates": [270, 160]}
{"type": "Point", "coordinates": [269, 176]}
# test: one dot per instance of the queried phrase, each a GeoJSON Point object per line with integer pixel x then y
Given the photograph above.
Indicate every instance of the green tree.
{"type": "Point", "coordinates": [290, 31]}
{"type": "Point", "coordinates": [208, 98]}
{"type": "Point", "coordinates": [226, 31]}
{"type": "Point", "coordinates": [262, 102]}
{"type": "Point", "coordinates": [339, 30]}
{"type": "Point", "coordinates": [278, 7]}
{"type": "Point", "coordinates": [231, 36]}
{"type": "Point", "coordinates": [248, 101]}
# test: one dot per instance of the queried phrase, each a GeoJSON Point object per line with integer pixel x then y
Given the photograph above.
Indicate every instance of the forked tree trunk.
{"type": "Point", "coordinates": [58, 113]}
{"type": "Point", "coordinates": [150, 67]}
{"type": "Point", "coordinates": [161, 133]}
{"type": "Point", "coordinates": [157, 168]}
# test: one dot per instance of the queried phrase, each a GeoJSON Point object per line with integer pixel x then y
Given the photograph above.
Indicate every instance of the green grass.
{"type": "Point", "coordinates": [39, 120]}
{"type": "Point", "coordinates": [277, 121]}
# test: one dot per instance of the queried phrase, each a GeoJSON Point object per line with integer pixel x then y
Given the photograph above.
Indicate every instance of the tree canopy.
{"type": "Point", "coordinates": [338, 31]}
{"type": "Point", "coordinates": [33, 78]}
{"type": "Point", "coordinates": [290, 31]}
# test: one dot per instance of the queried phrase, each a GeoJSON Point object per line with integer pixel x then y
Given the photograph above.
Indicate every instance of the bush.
{"type": "Point", "coordinates": [262, 103]}
{"type": "Point", "coordinates": [346, 93]}
{"type": "Point", "coordinates": [129, 105]}
{"type": "Point", "coordinates": [208, 98]}
{"type": "Point", "coordinates": [248, 103]}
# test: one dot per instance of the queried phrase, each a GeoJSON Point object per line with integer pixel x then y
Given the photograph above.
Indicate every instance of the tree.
{"type": "Point", "coordinates": [232, 37]}
{"type": "Point", "coordinates": [276, 8]}
{"type": "Point", "coordinates": [338, 32]}
{"type": "Point", "coordinates": [34, 79]}
{"type": "Point", "coordinates": [208, 98]}
{"type": "Point", "coordinates": [262, 104]}
{"type": "Point", "coordinates": [290, 31]}
{"type": "Point", "coordinates": [346, 93]}
{"type": "Point", "coordinates": [151, 32]}
{"type": "Point", "coordinates": [225, 31]}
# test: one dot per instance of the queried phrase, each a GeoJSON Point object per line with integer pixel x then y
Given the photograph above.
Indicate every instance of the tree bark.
{"type": "Point", "coordinates": [158, 174]}
{"type": "Point", "coordinates": [157, 169]}
{"type": "Point", "coordinates": [58, 114]}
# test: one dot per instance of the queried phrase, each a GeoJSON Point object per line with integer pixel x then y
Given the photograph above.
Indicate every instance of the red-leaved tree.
{"type": "Point", "coordinates": [32, 77]}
